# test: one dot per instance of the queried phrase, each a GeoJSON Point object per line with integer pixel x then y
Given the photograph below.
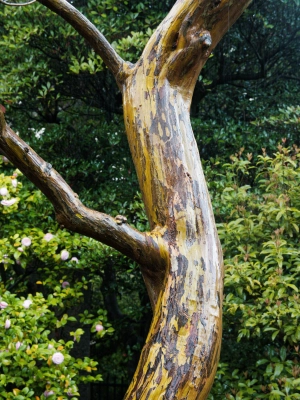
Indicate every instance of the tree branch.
{"type": "Point", "coordinates": [295, 78]}
{"type": "Point", "coordinates": [89, 32]}
{"type": "Point", "coordinates": [144, 248]}
{"type": "Point", "coordinates": [17, 4]}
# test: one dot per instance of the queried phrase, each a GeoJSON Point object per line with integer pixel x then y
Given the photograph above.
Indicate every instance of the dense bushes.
{"type": "Point", "coordinates": [44, 274]}
{"type": "Point", "coordinates": [257, 205]}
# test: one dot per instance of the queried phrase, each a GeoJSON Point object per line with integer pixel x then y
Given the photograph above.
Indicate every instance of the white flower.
{"type": "Point", "coordinates": [64, 255]}
{"type": "Point", "coordinates": [14, 183]}
{"type": "Point", "coordinates": [50, 346]}
{"type": "Point", "coordinates": [48, 237]}
{"type": "Point", "coordinates": [9, 202]}
{"type": "Point", "coordinates": [75, 259]}
{"type": "Point", "coordinates": [48, 393]}
{"type": "Point", "coordinates": [27, 303]}
{"type": "Point", "coordinates": [39, 133]}
{"type": "Point", "coordinates": [3, 191]}
{"type": "Point", "coordinates": [99, 328]}
{"type": "Point", "coordinates": [57, 358]}
{"type": "Point", "coordinates": [26, 241]}
{"type": "Point", "coordinates": [18, 345]}
{"type": "Point", "coordinates": [3, 305]}
{"type": "Point", "coordinates": [20, 249]}
{"type": "Point", "coordinates": [7, 324]}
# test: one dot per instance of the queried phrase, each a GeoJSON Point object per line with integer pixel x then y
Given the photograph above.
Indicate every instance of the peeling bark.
{"type": "Point", "coordinates": [181, 257]}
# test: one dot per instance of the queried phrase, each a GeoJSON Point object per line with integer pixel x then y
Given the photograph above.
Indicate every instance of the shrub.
{"type": "Point", "coordinates": [258, 209]}
{"type": "Point", "coordinates": [42, 279]}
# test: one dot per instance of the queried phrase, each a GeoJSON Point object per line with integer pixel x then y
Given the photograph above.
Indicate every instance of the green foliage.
{"type": "Point", "coordinates": [258, 209]}
{"type": "Point", "coordinates": [251, 79]}
{"type": "Point", "coordinates": [28, 355]}
{"type": "Point", "coordinates": [45, 56]}
{"type": "Point", "coordinates": [222, 137]}
{"type": "Point", "coordinates": [42, 278]}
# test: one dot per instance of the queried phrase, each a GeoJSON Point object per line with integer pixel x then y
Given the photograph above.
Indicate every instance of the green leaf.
{"type": "Point", "coordinates": [277, 392]}
{"type": "Point", "coordinates": [294, 287]}
{"type": "Point", "coordinates": [278, 369]}
{"type": "Point", "coordinates": [262, 361]}
{"type": "Point", "coordinates": [275, 334]}
{"type": "Point", "coordinates": [72, 319]}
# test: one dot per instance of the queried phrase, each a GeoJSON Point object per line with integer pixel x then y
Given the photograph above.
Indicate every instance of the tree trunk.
{"type": "Point", "coordinates": [180, 357]}
{"type": "Point", "coordinates": [180, 258]}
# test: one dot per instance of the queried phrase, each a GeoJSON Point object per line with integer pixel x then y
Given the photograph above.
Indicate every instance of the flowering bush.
{"type": "Point", "coordinates": [32, 361]}
{"type": "Point", "coordinates": [36, 297]}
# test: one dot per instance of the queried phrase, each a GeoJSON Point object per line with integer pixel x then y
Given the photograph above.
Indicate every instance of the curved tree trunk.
{"type": "Point", "coordinates": [182, 349]}
{"type": "Point", "coordinates": [180, 258]}
{"type": "Point", "coordinates": [181, 353]}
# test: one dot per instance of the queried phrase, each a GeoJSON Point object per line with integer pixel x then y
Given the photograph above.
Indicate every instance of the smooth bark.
{"type": "Point", "coordinates": [181, 258]}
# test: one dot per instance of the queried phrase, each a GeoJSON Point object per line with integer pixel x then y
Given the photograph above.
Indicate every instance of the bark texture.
{"type": "Point", "coordinates": [180, 258]}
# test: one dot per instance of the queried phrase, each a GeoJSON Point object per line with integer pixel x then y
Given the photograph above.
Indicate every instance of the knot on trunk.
{"type": "Point", "coordinates": [205, 39]}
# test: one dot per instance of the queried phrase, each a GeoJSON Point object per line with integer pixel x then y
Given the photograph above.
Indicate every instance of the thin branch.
{"type": "Point", "coordinates": [89, 32]}
{"type": "Point", "coordinates": [295, 78]}
{"type": "Point", "coordinates": [71, 213]}
{"type": "Point", "coordinates": [17, 4]}
{"type": "Point", "coordinates": [247, 38]}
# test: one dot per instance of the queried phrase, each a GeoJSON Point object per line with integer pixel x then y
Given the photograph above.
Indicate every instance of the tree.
{"type": "Point", "coordinates": [180, 258]}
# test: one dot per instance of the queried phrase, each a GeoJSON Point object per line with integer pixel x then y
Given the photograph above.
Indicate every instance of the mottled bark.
{"type": "Point", "coordinates": [180, 258]}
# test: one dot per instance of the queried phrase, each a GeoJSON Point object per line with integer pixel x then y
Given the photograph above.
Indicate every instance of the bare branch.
{"type": "Point", "coordinates": [89, 32]}
{"type": "Point", "coordinates": [72, 214]}
{"type": "Point", "coordinates": [17, 4]}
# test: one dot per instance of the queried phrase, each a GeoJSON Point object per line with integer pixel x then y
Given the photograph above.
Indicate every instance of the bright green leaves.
{"type": "Point", "coordinates": [258, 204]}
{"type": "Point", "coordinates": [92, 64]}
{"type": "Point", "coordinates": [131, 46]}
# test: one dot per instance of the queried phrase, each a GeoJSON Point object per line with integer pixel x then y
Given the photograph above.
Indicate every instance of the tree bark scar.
{"type": "Point", "coordinates": [215, 4]}
{"type": "Point", "coordinates": [153, 53]}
